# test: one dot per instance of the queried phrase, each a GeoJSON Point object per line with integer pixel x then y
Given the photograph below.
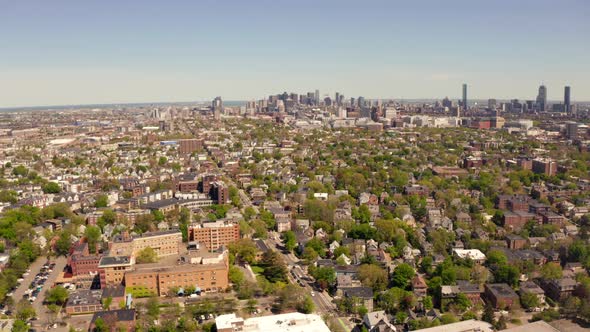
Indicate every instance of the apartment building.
{"type": "Point", "coordinates": [213, 235]}
{"type": "Point", "coordinates": [164, 243]}
{"type": "Point", "coordinates": [162, 279]}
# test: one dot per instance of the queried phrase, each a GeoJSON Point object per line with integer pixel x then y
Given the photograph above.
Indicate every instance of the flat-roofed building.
{"type": "Point", "coordinates": [292, 322]}
{"type": "Point", "coordinates": [213, 235]}
{"type": "Point", "coordinates": [112, 270]}
{"type": "Point", "coordinates": [164, 243]}
{"type": "Point", "coordinates": [162, 279]}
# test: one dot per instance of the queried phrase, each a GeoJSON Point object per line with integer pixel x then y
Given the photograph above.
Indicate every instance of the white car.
{"type": "Point", "coordinates": [312, 293]}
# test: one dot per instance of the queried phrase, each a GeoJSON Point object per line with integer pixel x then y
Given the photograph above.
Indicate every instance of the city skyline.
{"type": "Point", "coordinates": [67, 53]}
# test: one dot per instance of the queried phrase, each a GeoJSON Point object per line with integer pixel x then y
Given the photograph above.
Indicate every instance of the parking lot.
{"type": "Point", "coordinates": [35, 282]}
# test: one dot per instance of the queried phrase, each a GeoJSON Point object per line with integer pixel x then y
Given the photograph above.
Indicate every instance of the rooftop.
{"type": "Point", "coordinates": [471, 325]}
{"type": "Point", "coordinates": [114, 261]}
{"type": "Point", "coordinates": [290, 322]}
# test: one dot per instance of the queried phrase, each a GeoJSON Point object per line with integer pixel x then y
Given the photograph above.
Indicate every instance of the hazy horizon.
{"type": "Point", "coordinates": [109, 52]}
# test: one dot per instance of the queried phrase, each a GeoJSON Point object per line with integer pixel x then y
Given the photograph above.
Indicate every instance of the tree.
{"type": "Point", "coordinates": [402, 275]}
{"type": "Point", "coordinates": [274, 267]}
{"type": "Point", "coordinates": [317, 245]}
{"type": "Point", "coordinates": [251, 305]}
{"type": "Point", "coordinates": [92, 234]}
{"type": "Point", "coordinates": [146, 255]}
{"type": "Point", "coordinates": [309, 254]}
{"type": "Point", "coordinates": [462, 302]}
{"type": "Point", "coordinates": [244, 250]}
{"type": "Point", "coordinates": [153, 307]}
{"type": "Point", "coordinates": [373, 276]}
{"type": "Point", "coordinates": [551, 271]}
{"type": "Point", "coordinates": [63, 244]}
{"type": "Point", "coordinates": [106, 303]}
{"type": "Point", "coordinates": [488, 314]}
{"type": "Point", "coordinates": [289, 240]}
{"type": "Point", "coordinates": [24, 310]}
{"type": "Point", "coordinates": [508, 274]}
{"type": "Point", "coordinates": [100, 325]}
{"type": "Point", "coordinates": [529, 300]}
{"type": "Point", "coordinates": [260, 230]}
{"type": "Point", "coordinates": [8, 196]}
{"type": "Point", "coordinates": [19, 326]}
{"type": "Point", "coordinates": [57, 295]}
{"type": "Point", "coordinates": [306, 306]}
{"type": "Point", "coordinates": [20, 170]}
{"type": "Point", "coordinates": [427, 302]}
{"type": "Point", "coordinates": [51, 188]}
{"type": "Point", "coordinates": [101, 201]}
{"type": "Point", "coordinates": [324, 276]}
{"type": "Point", "coordinates": [496, 257]}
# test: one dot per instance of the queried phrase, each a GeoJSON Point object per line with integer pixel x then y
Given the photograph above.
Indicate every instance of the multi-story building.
{"type": "Point", "coordinates": [545, 166]}
{"type": "Point", "coordinates": [560, 289]}
{"type": "Point", "coordinates": [112, 270]}
{"type": "Point", "coordinates": [500, 296]}
{"type": "Point", "coordinates": [213, 235]}
{"type": "Point", "coordinates": [188, 146]}
{"type": "Point", "coordinates": [164, 243]}
{"type": "Point", "coordinates": [161, 279]}
{"type": "Point", "coordinates": [219, 192]}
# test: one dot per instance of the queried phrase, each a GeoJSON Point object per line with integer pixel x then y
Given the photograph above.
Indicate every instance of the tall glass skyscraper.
{"type": "Point", "coordinates": [465, 96]}
{"type": "Point", "coordinates": [542, 98]}
{"type": "Point", "coordinates": [566, 100]}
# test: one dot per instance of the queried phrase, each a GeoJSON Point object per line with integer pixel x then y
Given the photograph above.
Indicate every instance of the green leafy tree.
{"type": "Point", "coordinates": [244, 250]}
{"type": "Point", "coordinates": [402, 275]}
{"type": "Point", "coordinates": [101, 201]}
{"type": "Point", "coordinates": [289, 240]}
{"type": "Point", "coordinates": [92, 234]}
{"type": "Point", "coordinates": [324, 276]}
{"type": "Point", "coordinates": [51, 188]}
{"type": "Point", "coordinates": [20, 170]}
{"type": "Point", "coordinates": [488, 314]}
{"type": "Point", "coordinates": [24, 310]}
{"type": "Point", "coordinates": [306, 306]}
{"type": "Point", "coordinates": [551, 270]}
{"type": "Point", "coordinates": [57, 295]}
{"type": "Point", "coordinates": [146, 255]}
{"type": "Point", "coordinates": [529, 300]}
{"type": "Point", "coordinates": [508, 274]}
{"type": "Point", "coordinates": [106, 303]}
{"type": "Point", "coordinates": [373, 276]}
{"type": "Point", "coordinates": [274, 266]}
{"type": "Point", "coordinates": [63, 244]}
{"type": "Point", "coordinates": [19, 326]}
{"type": "Point", "coordinates": [153, 307]}
{"type": "Point", "coordinates": [496, 257]}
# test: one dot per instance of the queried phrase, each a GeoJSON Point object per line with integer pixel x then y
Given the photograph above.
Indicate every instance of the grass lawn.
{"type": "Point", "coordinates": [139, 291]}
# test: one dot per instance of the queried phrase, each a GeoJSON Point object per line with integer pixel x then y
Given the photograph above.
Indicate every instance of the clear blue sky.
{"type": "Point", "coordinates": [72, 52]}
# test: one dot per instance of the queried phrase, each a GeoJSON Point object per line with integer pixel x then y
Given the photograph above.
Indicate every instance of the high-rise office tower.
{"type": "Point", "coordinates": [465, 96]}
{"type": "Point", "coordinates": [337, 100]}
{"type": "Point", "coordinates": [566, 100]}
{"type": "Point", "coordinates": [361, 101]}
{"type": "Point", "coordinates": [542, 98]}
{"type": "Point", "coordinates": [317, 97]}
{"type": "Point", "coordinates": [492, 103]}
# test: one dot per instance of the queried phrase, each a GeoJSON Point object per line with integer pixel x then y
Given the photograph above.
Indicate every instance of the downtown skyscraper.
{"type": "Point", "coordinates": [464, 100]}
{"type": "Point", "coordinates": [567, 104]}
{"type": "Point", "coordinates": [542, 98]}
